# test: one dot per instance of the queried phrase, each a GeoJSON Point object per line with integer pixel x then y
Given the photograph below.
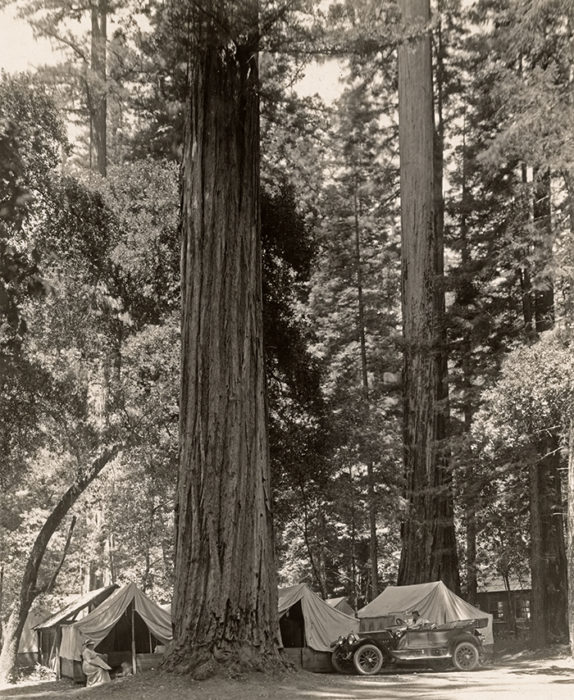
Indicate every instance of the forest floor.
{"type": "Point", "coordinates": [523, 675]}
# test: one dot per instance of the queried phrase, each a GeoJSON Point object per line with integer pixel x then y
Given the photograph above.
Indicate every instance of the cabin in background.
{"type": "Point", "coordinates": [508, 605]}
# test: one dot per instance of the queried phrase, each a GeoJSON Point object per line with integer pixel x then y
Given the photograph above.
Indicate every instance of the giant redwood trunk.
{"type": "Point", "coordinates": [225, 597]}
{"type": "Point", "coordinates": [570, 535]}
{"type": "Point", "coordinates": [569, 181]}
{"type": "Point", "coordinates": [429, 551]}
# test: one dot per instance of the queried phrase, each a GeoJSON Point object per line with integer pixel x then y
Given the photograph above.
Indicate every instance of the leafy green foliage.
{"type": "Point", "coordinates": [533, 394]}
{"type": "Point", "coordinates": [30, 138]}
{"type": "Point", "coordinates": [532, 399]}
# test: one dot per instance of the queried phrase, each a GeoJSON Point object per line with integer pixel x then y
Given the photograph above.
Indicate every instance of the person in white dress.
{"type": "Point", "coordinates": [94, 666]}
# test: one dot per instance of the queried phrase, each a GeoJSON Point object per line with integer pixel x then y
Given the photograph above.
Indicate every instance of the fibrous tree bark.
{"type": "Point", "coordinates": [547, 545]}
{"type": "Point", "coordinates": [429, 551]}
{"type": "Point", "coordinates": [225, 594]}
{"type": "Point", "coordinates": [570, 534]}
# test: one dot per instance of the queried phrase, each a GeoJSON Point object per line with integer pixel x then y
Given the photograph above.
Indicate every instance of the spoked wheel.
{"type": "Point", "coordinates": [368, 659]}
{"type": "Point", "coordinates": [340, 664]}
{"type": "Point", "coordinates": [465, 656]}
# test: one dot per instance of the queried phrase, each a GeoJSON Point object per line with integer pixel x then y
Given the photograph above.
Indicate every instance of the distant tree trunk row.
{"type": "Point", "coordinates": [97, 94]}
{"type": "Point", "coordinates": [373, 550]}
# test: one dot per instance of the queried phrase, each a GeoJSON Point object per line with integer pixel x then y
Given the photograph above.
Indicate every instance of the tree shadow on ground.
{"type": "Point", "coordinates": [46, 689]}
{"type": "Point", "coordinates": [548, 671]}
{"type": "Point", "coordinates": [512, 680]}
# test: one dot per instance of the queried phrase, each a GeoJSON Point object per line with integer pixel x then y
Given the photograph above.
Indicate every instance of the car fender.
{"type": "Point", "coordinates": [365, 640]}
{"type": "Point", "coordinates": [464, 637]}
{"type": "Point", "coordinates": [384, 646]}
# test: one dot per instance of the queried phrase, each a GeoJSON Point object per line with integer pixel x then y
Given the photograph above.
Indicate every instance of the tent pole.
{"type": "Point", "coordinates": [134, 665]}
{"type": "Point", "coordinates": [57, 643]}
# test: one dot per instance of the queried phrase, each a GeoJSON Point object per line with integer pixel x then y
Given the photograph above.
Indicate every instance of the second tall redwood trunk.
{"type": "Point", "coordinates": [429, 551]}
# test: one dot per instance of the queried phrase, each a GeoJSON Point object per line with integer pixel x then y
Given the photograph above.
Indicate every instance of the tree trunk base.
{"type": "Point", "coordinates": [231, 662]}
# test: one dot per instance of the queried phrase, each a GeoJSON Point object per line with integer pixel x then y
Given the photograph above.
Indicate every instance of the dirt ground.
{"type": "Point", "coordinates": [518, 676]}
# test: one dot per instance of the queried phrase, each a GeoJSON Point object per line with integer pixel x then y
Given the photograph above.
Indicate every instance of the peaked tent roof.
{"type": "Point", "coordinates": [100, 621]}
{"type": "Point", "coordinates": [434, 601]}
{"type": "Point", "coordinates": [342, 604]}
{"type": "Point", "coordinates": [323, 624]}
{"type": "Point", "coordinates": [76, 605]}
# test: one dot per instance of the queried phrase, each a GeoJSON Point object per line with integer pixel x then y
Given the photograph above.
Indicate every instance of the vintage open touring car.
{"type": "Point", "coordinates": [457, 644]}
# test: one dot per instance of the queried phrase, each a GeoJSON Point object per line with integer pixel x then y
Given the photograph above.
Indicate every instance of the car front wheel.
{"type": "Point", "coordinates": [465, 656]}
{"type": "Point", "coordinates": [368, 659]}
{"type": "Point", "coordinates": [340, 663]}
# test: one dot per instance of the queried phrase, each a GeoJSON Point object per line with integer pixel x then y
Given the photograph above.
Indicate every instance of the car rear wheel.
{"type": "Point", "coordinates": [368, 659]}
{"type": "Point", "coordinates": [465, 656]}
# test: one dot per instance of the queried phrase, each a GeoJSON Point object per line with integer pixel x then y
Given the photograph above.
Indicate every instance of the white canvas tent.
{"type": "Point", "coordinates": [125, 625]}
{"type": "Point", "coordinates": [28, 651]}
{"type": "Point", "coordinates": [49, 631]}
{"type": "Point", "coordinates": [76, 606]}
{"type": "Point", "coordinates": [434, 601]}
{"type": "Point", "coordinates": [341, 604]}
{"type": "Point", "coordinates": [319, 623]}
